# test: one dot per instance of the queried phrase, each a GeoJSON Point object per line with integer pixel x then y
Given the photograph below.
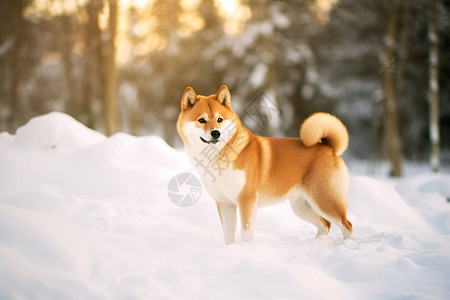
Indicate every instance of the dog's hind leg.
{"type": "Point", "coordinates": [332, 207]}
{"type": "Point", "coordinates": [227, 213]}
{"type": "Point", "coordinates": [330, 203]}
{"type": "Point", "coordinates": [304, 211]}
{"type": "Point", "coordinates": [328, 196]}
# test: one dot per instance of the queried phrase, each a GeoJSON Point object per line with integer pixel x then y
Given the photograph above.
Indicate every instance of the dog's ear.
{"type": "Point", "coordinates": [223, 96]}
{"type": "Point", "coordinates": [189, 98]}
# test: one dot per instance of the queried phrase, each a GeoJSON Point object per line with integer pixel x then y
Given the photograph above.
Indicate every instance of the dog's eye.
{"type": "Point", "coordinates": [202, 120]}
{"type": "Point", "coordinates": [219, 120]}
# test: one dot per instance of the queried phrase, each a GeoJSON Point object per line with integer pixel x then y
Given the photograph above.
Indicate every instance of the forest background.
{"type": "Point", "coordinates": [381, 66]}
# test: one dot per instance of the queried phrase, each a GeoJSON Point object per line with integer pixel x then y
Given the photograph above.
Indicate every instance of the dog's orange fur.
{"type": "Point", "coordinates": [309, 169]}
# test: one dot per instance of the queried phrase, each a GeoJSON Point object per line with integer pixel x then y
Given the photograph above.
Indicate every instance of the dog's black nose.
{"type": "Point", "coordinates": [215, 134]}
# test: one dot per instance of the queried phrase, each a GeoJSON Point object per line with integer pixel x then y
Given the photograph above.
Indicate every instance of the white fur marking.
{"type": "Point", "coordinates": [247, 231]}
{"type": "Point", "coordinates": [228, 215]}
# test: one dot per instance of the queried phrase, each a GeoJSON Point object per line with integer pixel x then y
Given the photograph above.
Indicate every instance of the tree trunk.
{"type": "Point", "coordinates": [110, 92]}
{"type": "Point", "coordinates": [91, 58]}
{"type": "Point", "coordinates": [16, 66]}
{"type": "Point", "coordinates": [434, 84]}
{"type": "Point", "coordinates": [404, 49]}
{"type": "Point", "coordinates": [390, 106]}
{"type": "Point", "coordinates": [135, 107]}
{"type": "Point", "coordinates": [66, 54]}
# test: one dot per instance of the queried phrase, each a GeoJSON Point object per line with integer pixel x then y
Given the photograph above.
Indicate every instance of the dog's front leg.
{"type": "Point", "coordinates": [247, 209]}
{"type": "Point", "coordinates": [227, 213]}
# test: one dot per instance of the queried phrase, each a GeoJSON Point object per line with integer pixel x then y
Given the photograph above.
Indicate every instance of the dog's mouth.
{"type": "Point", "coordinates": [215, 141]}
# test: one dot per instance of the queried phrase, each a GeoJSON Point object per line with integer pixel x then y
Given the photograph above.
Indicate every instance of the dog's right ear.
{"type": "Point", "coordinates": [223, 96]}
{"type": "Point", "coordinates": [189, 98]}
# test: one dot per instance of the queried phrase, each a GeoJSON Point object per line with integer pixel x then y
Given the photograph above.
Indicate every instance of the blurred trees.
{"type": "Point", "coordinates": [353, 61]}
{"type": "Point", "coordinates": [19, 56]}
{"type": "Point", "coordinates": [287, 60]}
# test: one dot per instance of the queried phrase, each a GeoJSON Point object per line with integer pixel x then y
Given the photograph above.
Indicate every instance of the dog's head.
{"type": "Point", "coordinates": [206, 120]}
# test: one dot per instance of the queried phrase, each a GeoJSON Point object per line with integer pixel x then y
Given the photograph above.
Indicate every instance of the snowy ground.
{"type": "Point", "coordinates": [88, 217]}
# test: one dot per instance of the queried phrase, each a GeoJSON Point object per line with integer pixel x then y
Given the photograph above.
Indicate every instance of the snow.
{"type": "Point", "coordinates": [83, 216]}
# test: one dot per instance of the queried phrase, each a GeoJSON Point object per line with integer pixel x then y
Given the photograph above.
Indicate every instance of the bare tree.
{"type": "Point", "coordinates": [66, 46]}
{"type": "Point", "coordinates": [403, 51]}
{"type": "Point", "coordinates": [391, 130]}
{"type": "Point", "coordinates": [92, 59]}
{"type": "Point", "coordinates": [17, 11]}
{"type": "Point", "coordinates": [434, 84]}
{"type": "Point", "coordinates": [110, 88]}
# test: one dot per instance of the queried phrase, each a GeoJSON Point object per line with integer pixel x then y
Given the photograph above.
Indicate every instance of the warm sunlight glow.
{"type": "Point", "coordinates": [228, 7]}
{"type": "Point", "coordinates": [233, 12]}
{"type": "Point", "coordinates": [138, 3]}
{"type": "Point", "coordinates": [326, 5]}
{"type": "Point", "coordinates": [235, 15]}
{"type": "Point", "coordinates": [323, 8]}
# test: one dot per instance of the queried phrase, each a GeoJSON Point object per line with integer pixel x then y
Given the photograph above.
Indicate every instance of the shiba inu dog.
{"type": "Point", "coordinates": [242, 171]}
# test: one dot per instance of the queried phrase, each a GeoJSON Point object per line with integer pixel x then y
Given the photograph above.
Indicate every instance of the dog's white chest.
{"type": "Point", "coordinates": [221, 181]}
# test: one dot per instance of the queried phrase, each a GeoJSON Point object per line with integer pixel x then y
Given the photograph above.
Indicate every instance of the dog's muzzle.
{"type": "Point", "coordinates": [215, 134]}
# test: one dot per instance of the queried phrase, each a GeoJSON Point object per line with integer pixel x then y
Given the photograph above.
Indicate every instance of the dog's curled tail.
{"type": "Point", "coordinates": [327, 129]}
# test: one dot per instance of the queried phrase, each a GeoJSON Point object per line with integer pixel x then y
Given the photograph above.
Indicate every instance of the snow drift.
{"type": "Point", "coordinates": [83, 216]}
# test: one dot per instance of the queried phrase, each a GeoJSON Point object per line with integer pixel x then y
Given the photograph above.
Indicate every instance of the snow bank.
{"type": "Point", "coordinates": [376, 203]}
{"type": "Point", "coordinates": [54, 130]}
{"type": "Point", "coordinates": [85, 216]}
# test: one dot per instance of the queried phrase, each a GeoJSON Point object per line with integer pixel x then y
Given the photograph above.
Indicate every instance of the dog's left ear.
{"type": "Point", "coordinates": [223, 96]}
